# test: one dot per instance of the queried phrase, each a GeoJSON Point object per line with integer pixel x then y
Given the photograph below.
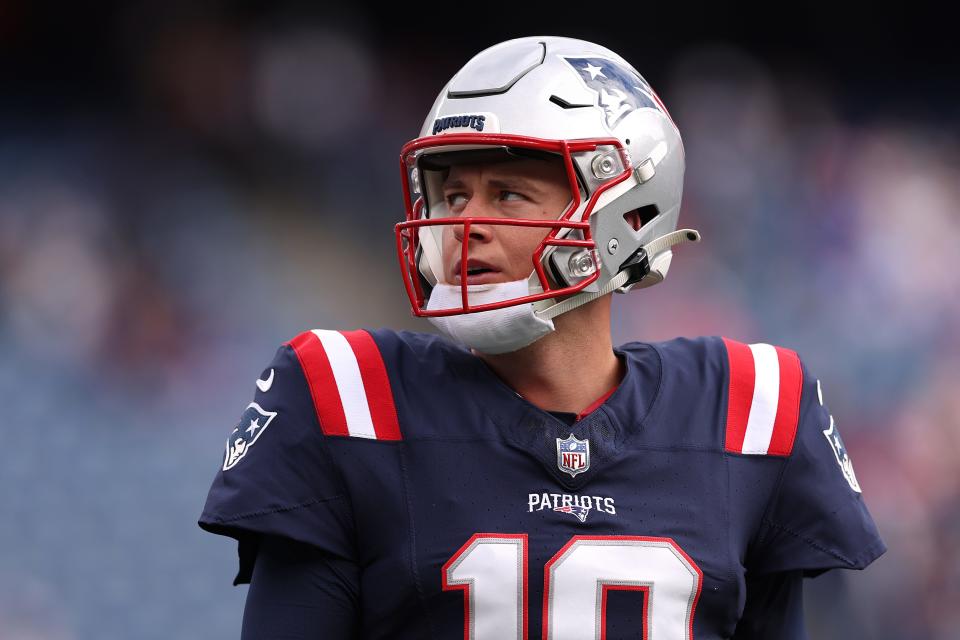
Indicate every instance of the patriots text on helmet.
{"type": "Point", "coordinates": [452, 122]}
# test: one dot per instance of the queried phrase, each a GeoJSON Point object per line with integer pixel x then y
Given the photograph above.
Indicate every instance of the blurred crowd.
{"type": "Point", "coordinates": [155, 251]}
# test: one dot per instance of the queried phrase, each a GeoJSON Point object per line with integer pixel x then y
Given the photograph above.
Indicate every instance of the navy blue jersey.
{"type": "Point", "coordinates": [689, 502]}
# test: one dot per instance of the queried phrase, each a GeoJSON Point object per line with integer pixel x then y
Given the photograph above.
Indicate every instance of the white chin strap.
{"type": "Point", "coordinates": [493, 331]}
{"type": "Point", "coordinates": [652, 248]}
{"type": "Point", "coordinates": [514, 327]}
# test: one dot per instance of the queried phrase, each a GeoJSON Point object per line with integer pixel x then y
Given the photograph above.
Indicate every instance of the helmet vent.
{"type": "Point", "coordinates": [563, 104]}
{"type": "Point", "coordinates": [639, 217]}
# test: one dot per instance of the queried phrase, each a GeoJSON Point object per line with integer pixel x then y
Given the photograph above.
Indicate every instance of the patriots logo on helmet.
{"type": "Point", "coordinates": [620, 90]}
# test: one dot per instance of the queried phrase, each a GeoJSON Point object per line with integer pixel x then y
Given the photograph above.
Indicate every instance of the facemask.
{"type": "Point", "coordinates": [494, 331]}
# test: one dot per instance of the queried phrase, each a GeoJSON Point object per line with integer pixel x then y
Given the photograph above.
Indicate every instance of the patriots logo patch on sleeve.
{"type": "Point", "coordinates": [253, 422]}
{"type": "Point", "coordinates": [840, 452]}
{"type": "Point", "coordinates": [839, 449]}
{"type": "Point", "coordinates": [620, 91]}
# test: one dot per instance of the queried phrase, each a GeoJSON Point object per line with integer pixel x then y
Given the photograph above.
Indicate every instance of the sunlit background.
{"type": "Point", "coordinates": [183, 188]}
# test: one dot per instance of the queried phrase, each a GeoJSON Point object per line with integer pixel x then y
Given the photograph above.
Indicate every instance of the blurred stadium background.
{"type": "Point", "coordinates": [186, 185]}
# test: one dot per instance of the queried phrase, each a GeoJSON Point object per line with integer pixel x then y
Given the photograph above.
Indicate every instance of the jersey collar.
{"type": "Point", "coordinates": [624, 407]}
{"type": "Point", "coordinates": [534, 431]}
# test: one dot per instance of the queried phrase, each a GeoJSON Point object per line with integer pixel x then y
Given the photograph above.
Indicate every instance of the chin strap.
{"type": "Point", "coordinates": [633, 270]}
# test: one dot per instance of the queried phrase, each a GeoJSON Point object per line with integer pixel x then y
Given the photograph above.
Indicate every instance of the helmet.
{"type": "Point", "coordinates": [575, 103]}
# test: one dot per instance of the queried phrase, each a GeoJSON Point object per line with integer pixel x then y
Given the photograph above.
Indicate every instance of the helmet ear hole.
{"type": "Point", "coordinates": [639, 217]}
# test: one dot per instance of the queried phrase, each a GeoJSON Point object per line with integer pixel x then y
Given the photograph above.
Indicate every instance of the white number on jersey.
{"type": "Point", "coordinates": [491, 570]}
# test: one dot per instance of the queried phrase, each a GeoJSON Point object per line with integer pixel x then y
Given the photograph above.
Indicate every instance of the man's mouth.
{"type": "Point", "coordinates": [477, 273]}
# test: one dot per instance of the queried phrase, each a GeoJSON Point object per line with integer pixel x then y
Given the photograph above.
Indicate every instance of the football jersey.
{"type": "Point", "coordinates": [474, 513]}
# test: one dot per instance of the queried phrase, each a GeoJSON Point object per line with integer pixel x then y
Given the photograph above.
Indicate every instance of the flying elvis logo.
{"type": "Point", "coordinates": [254, 421]}
{"type": "Point", "coordinates": [620, 90]}
{"type": "Point", "coordinates": [839, 449]}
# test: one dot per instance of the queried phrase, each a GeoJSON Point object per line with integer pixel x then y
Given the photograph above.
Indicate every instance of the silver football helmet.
{"type": "Point", "coordinates": [572, 101]}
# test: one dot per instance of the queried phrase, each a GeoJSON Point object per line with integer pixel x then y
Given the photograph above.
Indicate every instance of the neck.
{"type": "Point", "coordinates": [568, 369]}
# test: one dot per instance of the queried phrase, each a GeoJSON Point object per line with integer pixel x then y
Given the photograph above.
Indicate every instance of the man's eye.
{"type": "Point", "coordinates": [519, 196]}
{"type": "Point", "coordinates": [455, 199]}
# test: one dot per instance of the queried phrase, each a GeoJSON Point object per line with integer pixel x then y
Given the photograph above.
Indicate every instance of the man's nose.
{"type": "Point", "coordinates": [479, 232]}
{"type": "Point", "coordinates": [475, 208]}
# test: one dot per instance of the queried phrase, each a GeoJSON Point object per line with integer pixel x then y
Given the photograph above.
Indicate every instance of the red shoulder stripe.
{"type": "Point", "coordinates": [763, 398]}
{"type": "Point", "coordinates": [323, 385]}
{"type": "Point", "coordinates": [788, 404]}
{"type": "Point", "coordinates": [739, 392]}
{"type": "Point", "coordinates": [376, 384]}
{"type": "Point", "coordinates": [349, 384]}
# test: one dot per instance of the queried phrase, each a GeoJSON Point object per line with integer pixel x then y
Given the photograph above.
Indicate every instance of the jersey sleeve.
{"type": "Point", "coordinates": [296, 590]}
{"type": "Point", "coordinates": [276, 476]}
{"type": "Point", "coordinates": [817, 518]}
{"type": "Point", "coordinates": [773, 608]}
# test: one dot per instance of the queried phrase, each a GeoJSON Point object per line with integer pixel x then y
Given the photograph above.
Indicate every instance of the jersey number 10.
{"type": "Point", "coordinates": [491, 570]}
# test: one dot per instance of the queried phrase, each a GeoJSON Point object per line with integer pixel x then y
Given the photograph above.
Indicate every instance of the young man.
{"type": "Point", "coordinates": [520, 476]}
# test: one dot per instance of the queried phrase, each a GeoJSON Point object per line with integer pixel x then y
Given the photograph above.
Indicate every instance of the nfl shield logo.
{"type": "Point", "coordinates": [573, 455]}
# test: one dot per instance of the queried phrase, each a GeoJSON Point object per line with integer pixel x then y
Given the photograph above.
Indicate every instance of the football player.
{"type": "Point", "coordinates": [519, 476]}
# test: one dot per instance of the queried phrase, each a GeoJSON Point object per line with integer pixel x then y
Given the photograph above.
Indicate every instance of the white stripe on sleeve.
{"type": "Point", "coordinates": [766, 392]}
{"type": "Point", "coordinates": [346, 372]}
